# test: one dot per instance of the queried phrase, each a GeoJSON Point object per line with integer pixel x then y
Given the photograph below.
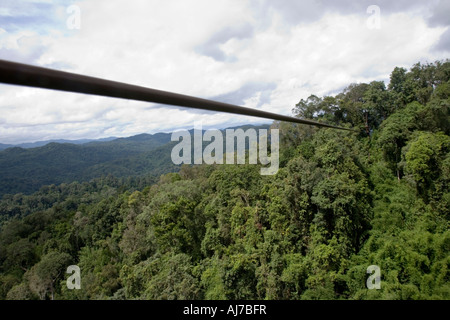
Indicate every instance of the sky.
{"type": "Point", "coordinates": [260, 54]}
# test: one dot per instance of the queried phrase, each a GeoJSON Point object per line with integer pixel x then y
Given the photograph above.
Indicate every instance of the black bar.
{"type": "Point", "coordinates": [32, 76]}
{"type": "Point", "coordinates": [326, 309]}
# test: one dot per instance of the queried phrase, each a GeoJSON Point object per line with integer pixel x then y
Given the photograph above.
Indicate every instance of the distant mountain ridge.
{"type": "Point", "coordinates": [26, 170]}
{"type": "Point", "coordinates": [36, 144]}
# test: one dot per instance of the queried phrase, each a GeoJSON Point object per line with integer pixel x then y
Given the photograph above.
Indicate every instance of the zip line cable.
{"type": "Point", "coordinates": [32, 76]}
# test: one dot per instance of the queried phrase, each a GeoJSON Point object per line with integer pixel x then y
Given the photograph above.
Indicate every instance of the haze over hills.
{"type": "Point", "coordinates": [25, 169]}
{"type": "Point", "coordinates": [36, 144]}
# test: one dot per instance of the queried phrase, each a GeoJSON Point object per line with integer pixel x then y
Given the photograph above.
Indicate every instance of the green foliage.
{"type": "Point", "coordinates": [44, 275]}
{"type": "Point", "coordinates": [424, 156]}
{"type": "Point", "coordinates": [27, 170]}
{"type": "Point", "coordinates": [339, 203]}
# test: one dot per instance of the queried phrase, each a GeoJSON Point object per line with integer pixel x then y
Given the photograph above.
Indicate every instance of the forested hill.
{"type": "Point", "coordinates": [341, 204]}
{"type": "Point", "coordinates": [26, 170]}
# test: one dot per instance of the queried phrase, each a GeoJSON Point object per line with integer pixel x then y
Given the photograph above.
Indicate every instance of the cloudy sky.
{"type": "Point", "coordinates": [255, 53]}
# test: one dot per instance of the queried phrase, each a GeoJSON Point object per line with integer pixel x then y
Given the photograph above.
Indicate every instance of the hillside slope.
{"type": "Point", "coordinates": [26, 170]}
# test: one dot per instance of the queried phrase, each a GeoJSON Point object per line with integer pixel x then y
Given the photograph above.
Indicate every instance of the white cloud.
{"type": "Point", "coordinates": [201, 48]}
